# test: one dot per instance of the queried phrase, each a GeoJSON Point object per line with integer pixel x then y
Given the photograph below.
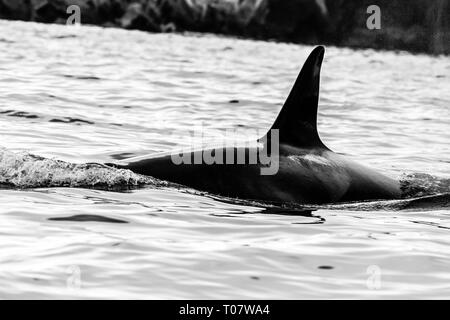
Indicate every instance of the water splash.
{"type": "Point", "coordinates": [423, 184]}
{"type": "Point", "coordinates": [25, 170]}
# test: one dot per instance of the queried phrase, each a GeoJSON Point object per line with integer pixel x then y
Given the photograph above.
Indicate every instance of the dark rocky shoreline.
{"type": "Point", "coordinates": [415, 25]}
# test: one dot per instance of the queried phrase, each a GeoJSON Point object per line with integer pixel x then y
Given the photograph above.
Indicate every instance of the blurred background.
{"type": "Point", "coordinates": [412, 25]}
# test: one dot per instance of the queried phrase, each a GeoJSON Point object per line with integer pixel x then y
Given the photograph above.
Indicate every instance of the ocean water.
{"type": "Point", "coordinates": [74, 97]}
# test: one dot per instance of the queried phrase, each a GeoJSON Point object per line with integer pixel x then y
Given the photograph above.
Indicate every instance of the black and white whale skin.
{"type": "Point", "coordinates": [308, 172]}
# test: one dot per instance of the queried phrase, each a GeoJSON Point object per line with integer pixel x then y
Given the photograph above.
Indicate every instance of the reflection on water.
{"type": "Point", "coordinates": [73, 96]}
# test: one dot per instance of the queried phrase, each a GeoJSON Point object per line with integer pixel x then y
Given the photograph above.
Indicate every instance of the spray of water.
{"type": "Point", "coordinates": [24, 170]}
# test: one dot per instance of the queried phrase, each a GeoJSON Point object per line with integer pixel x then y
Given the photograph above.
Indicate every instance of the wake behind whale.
{"type": "Point", "coordinates": [24, 170]}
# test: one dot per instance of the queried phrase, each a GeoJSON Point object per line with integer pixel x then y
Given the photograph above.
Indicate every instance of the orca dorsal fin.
{"type": "Point", "coordinates": [297, 120]}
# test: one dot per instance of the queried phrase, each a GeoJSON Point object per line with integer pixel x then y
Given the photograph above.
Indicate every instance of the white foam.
{"type": "Point", "coordinates": [24, 170]}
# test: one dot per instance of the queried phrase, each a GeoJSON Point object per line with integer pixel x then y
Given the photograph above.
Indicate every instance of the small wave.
{"type": "Point", "coordinates": [425, 203]}
{"type": "Point", "coordinates": [71, 120]}
{"type": "Point", "coordinates": [81, 77]}
{"type": "Point", "coordinates": [19, 114]}
{"type": "Point", "coordinates": [88, 218]}
{"type": "Point", "coordinates": [65, 36]}
{"type": "Point", "coordinates": [28, 115]}
{"type": "Point", "coordinates": [24, 170]}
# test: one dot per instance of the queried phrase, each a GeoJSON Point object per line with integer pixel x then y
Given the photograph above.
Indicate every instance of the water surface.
{"type": "Point", "coordinates": [69, 229]}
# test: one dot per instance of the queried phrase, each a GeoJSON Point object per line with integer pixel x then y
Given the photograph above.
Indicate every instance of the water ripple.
{"type": "Point", "coordinates": [115, 93]}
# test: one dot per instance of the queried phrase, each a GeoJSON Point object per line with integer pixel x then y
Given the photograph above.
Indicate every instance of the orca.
{"type": "Point", "coordinates": [308, 172]}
